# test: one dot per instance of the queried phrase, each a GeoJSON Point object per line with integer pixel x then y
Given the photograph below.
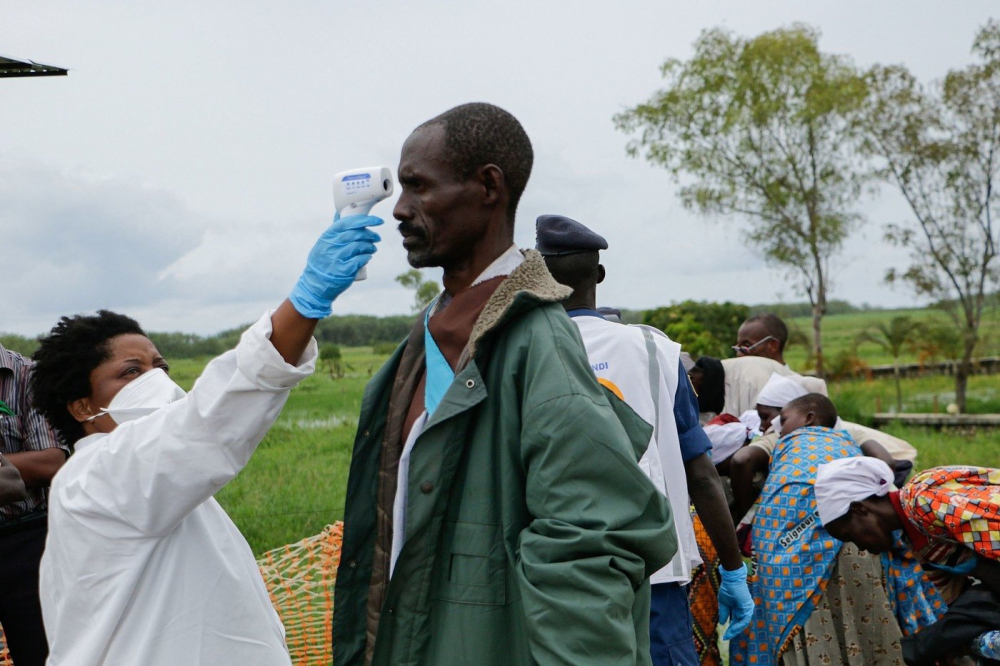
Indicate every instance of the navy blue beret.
{"type": "Point", "coordinates": [556, 234]}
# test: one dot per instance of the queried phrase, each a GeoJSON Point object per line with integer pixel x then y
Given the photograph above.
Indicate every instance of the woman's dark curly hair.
{"type": "Point", "coordinates": [64, 361]}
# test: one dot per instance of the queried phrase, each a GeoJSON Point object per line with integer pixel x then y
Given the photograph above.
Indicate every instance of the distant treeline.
{"type": "Point", "coordinates": [716, 322]}
{"type": "Point", "coordinates": [345, 330]}
{"type": "Point", "coordinates": [789, 310]}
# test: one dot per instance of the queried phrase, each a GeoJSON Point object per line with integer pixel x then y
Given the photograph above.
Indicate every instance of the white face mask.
{"type": "Point", "coordinates": [776, 424]}
{"type": "Point", "coordinates": [142, 396]}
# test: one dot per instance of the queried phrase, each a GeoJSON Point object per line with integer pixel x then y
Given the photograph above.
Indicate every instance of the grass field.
{"type": "Point", "coordinates": [840, 332]}
{"type": "Point", "coordinates": [857, 400]}
{"type": "Point", "coordinates": [296, 482]}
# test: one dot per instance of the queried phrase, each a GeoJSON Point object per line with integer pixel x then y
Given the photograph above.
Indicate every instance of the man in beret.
{"type": "Point", "coordinates": [495, 511]}
{"type": "Point", "coordinates": [642, 367]}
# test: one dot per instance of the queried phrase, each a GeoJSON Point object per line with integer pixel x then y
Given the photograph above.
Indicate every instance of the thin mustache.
{"type": "Point", "coordinates": [409, 230]}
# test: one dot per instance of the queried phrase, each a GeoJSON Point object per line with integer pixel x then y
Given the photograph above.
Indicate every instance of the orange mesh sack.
{"type": "Point", "coordinates": [5, 659]}
{"type": "Point", "coordinates": [300, 578]}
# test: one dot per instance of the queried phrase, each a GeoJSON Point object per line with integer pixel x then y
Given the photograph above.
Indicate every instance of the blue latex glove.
{"type": "Point", "coordinates": [963, 569]}
{"type": "Point", "coordinates": [333, 263]}
{"type": "Point", "coordinates": [734, 598]}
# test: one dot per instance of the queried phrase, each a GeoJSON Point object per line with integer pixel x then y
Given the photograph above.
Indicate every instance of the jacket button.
{"type": "Point", "coordinates": [470, 383]}
{"type": "Point", "coordinates": [426, 487]}
{"type": "Point", "coordinates": [366, 433]}
{"type": "Point", "coordinates": [353, 564]}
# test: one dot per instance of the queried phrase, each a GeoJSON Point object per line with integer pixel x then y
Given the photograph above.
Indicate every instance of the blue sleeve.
{"type": "Point", "coordinates": [694, 441]}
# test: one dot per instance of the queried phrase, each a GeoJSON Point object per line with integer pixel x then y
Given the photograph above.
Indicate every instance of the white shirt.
{"type": "Point", "coordinates": [745, 377]}
{"type": "Point", "coordinates": [142, 567]}
{"type": "Point", "coordinates": [502, 265]}
{"type": "Point", "coordinates": [619, 357]}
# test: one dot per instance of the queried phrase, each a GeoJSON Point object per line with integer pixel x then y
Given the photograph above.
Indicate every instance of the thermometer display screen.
{"type": "Point", "coordinates": [358, 182]}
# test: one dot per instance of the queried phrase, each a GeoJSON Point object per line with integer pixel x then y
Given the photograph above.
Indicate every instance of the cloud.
{"type": "Point", "coordinates": [242, 156]}
{"type": "Point", "coordinates": [80, 241]}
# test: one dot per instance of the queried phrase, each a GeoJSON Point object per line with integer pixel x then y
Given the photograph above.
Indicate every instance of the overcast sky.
{"type": "Point", "coordinates": [182, 170]}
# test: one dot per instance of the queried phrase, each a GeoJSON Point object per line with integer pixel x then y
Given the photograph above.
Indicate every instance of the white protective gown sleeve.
{"type": "Point", "coordinates": [142, 565]}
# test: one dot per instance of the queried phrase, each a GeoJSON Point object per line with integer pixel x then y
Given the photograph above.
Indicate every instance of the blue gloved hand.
{"type": "Point", "coordinates": [333, 263]}
{"type": "Point", "coordinates": [734, 597]}
{"type": "Point", "coordinates": [963, 569]}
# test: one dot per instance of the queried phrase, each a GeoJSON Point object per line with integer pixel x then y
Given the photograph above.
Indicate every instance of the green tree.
{"type": "Point", "coordinates": [940, 146]}
{"type": "Point", "coordinates": [424, 291]}
{"type": "Point", "coordinates": [331, 356]}
{"type": "Point", "coordinates": [763, 129]}
{"type": "Point", "coordinates": [702, 328]}
{"type": "Point", "coordinates": [362, 330]}
{"type": "Point", "coordinates": [941, 340]}
{"type": "Point", "coordinates": [21, 344]}
{"type": "Point", "coordinates": [894, 338]}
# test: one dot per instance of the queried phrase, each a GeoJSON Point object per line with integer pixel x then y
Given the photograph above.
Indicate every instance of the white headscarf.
{"type": "Point", "coordinates": [847, 480]}
{"type": "Point", "coordinates": [728, 438]}
{"type": "Point", "coordinates": [751, 419]}
{"type": "Point", "coordinates": [779, 391]}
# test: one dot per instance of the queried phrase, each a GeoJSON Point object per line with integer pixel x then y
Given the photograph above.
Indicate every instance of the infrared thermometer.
{"type": "Point", "coordinates": [356, 192]}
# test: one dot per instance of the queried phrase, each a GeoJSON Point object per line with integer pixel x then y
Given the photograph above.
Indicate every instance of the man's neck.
{"type": "Point", "coordinates": [573, 303]}
{"type": "Point", "coordinates": [777, 359]}
{"type": "Point", "coordinates": [583, 298]}
{"type": "Point", "coordinates": [887, 512]}
{"type": "Point", "coordinates": [460, 276]}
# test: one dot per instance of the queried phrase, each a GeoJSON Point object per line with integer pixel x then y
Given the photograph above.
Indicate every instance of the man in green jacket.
{"type": "Point", "coordinates": [496, 513]}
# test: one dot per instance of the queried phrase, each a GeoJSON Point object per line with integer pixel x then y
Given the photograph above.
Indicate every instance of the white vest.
{"type": "Point", "coordinates": [619, 356]}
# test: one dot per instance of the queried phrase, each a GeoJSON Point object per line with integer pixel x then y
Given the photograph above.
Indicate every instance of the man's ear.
{"type": "Point", "coordinates": [600, 273]}
{"type": "Point", "coordinates": [81, 409]}
{"type": "Point", "coordinates": [494, 185]}
{"type": "Point", "coordinates": [811, 419]}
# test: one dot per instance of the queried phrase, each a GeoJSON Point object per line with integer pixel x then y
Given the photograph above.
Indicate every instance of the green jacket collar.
{"type": "Point", "coordinates": [529, 286]}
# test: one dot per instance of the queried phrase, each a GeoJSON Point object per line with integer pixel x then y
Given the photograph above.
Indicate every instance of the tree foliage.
{"type": "Point", "coordinates": [702, 328]}
{"type": "Point", "coordinates": [804, 309]}
{"type": "Point", "coordinates": [363, 330]}
{"type": "Point", "coordinates": [332, 358]}
{"type": "Point", "coordinates": [424, 291]}
{"type": "Point", "coordinates": [940, 146]}
{"type": "Point", "coordinates": [763, 129]}
{"type": "Point", "coordinates": [21, 344]}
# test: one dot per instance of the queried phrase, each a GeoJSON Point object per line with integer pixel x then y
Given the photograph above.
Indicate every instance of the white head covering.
{"type": "Point", "coordinates": [751, 419]}
{"type": "Point", "coordinates": [847, 480]}
{"type": "Point", "coordinates": [728, 438]}
{"type": "Point", "coordinates": [779, 391]}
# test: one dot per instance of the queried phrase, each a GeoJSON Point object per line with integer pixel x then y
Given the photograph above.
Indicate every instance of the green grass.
{"type": "Point", "coordinates": [840, 332]}
{"type": "Point", "coordinates": [936, 448]}
{"type": "Point", "coordinates": [857, 400]}
{"type": "Point", "coordinates": [296, 481]}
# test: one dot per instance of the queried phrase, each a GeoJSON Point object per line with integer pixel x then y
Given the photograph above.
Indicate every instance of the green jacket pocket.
{"type": "Point", "coordinates": [475, 566]}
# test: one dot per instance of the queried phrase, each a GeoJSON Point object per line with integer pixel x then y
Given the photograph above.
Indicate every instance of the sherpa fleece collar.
{"type": "Point", "coordinates": [530, 283]}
